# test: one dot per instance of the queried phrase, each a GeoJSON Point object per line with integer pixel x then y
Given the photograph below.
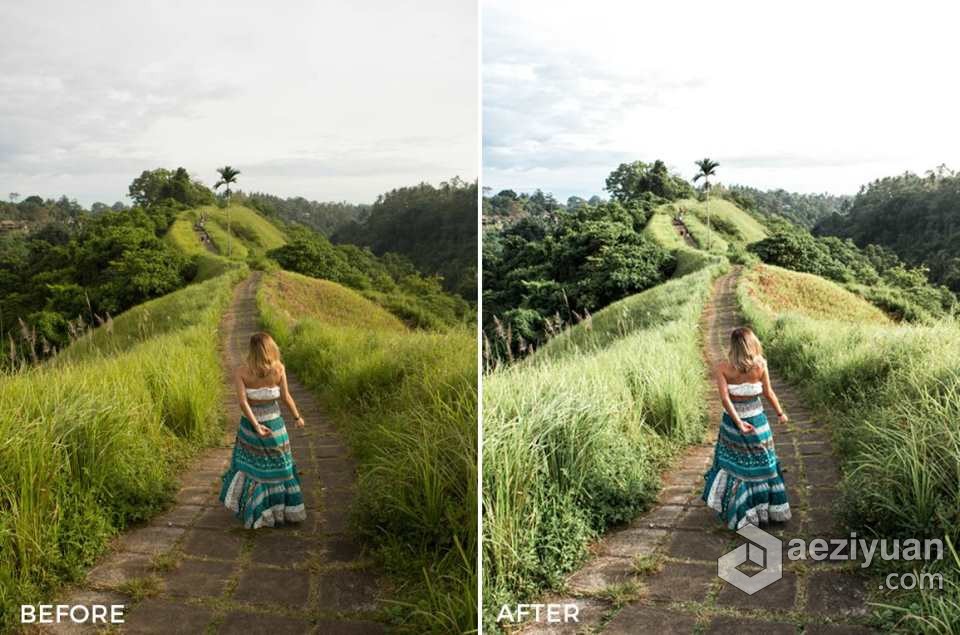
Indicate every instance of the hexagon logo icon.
{"type": "Point", "coordinates": [763, 549]}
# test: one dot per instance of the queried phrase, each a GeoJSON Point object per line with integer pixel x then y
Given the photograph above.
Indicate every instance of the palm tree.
{"type": "Point", "coordinates": [227, 176]}
{"type": "Point", "coordinates": [708, 167]}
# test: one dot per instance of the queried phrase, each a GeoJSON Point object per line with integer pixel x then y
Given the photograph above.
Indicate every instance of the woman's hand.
{"type": "Point", "coordinates": [299, 422]}
{"type": "Point", "coordinates": [263, 430]}
{"type": "Point", "coordinates": [783, 418]}
{"type": "Point", "coordinates": [745, 427]}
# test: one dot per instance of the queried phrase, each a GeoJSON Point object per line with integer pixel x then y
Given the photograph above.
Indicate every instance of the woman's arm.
{"type": "Point", "coordinates": [772, 396]}
{"type": "Point", "coordinates": [744, 427]}
{"type": "Point", "coordinates": [288, 398]}
{"type": "Point", "coordinates": [262, 430]}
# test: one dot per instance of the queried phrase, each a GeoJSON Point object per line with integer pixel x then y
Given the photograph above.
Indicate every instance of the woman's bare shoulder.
{"type": "Point", "coordinates": [722, 368]}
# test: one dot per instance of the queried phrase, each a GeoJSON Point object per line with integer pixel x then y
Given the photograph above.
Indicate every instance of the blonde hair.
{"type": "Point", "coordinates": [746, 351]}
{"type": "Point", "coordinates": [263, 355]}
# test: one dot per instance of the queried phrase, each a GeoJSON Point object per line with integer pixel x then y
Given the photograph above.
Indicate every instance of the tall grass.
{"type": "Point", "coordinates": [221, 240]}
{"type": "Point", "coordinates": [726, 218]}
{"type": "Point", "coordinates": [407, 404]}
{"type": "Point", "coordinates": [93, 442]}
{"type": "Point", "coordinates": [575, 435]}
{"type": "Point", "coordinates": [200, 303]}
{"type": "Point", "coordinates": [807, 294]}
{"type": "Point", "coordinates": [252, 229]}
{"type": "Point", "coordinates": [708, 239]}
{"type": "Point", "coordinates": [182, 235]}
{"type": "Point", "coordinates": [893, 394]}
{"type": "Point", "coordinates": [660, 229]}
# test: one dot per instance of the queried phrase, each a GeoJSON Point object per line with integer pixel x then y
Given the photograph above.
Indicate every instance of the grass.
{"type": "Point", "coordinates": [731, 222]}
{"type": "Point", "coordinates": [94, 441]}
{"type": "Point", "coordinates": [780, 291]}
{"type": "Point", "coordinates": [893, 394]}
{"type": "Point", "coordinates": [708, 240]}
{"type": "Point", "coordinates": [664, 303]}
{"type": "Point", "coordinates": [295, 296]}
{"type": "Point", "coordinates": [182, 236]}
{"type": "Point", "coordinates": [194, 304]}
{"type": "Point", "coordinates": [660, 229]}
{"type": "Point", "coordinates": [575, 435]}
{"type": "Point", "coordinates": [221, 240]}
{"type": "Point", "coordinates": [407, 403]}
{"type": "Point", "coordinates": [253, 230]}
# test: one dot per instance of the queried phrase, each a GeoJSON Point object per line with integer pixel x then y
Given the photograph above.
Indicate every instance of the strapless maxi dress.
{"type": "Point", "coordinates": [745, 483]}
{"type": "Point", "coordinates": [262, 486]}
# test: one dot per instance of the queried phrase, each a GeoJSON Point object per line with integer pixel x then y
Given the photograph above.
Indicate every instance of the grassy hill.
{"type": "Point", "coordinates": [248, 227]}
{"type": "Point", "coordinates": [731, 222]}
{"type": "Point", "coordinates": [296, 297]}
{"type": "Point", "coordinates": [96, 437]}
{"type": "Point", "coordinates": [892, 395]}
{"type": "Point", "coordinates": [575, 434]}
{"type": "Point", "coordinates": [729, 225]}
{"type": "Point", "coordinates": [173, 312]}
{"type": "Point", "coordinates": [660, 229]}
{"type": "Point", "coordinates": [406, 400]}
{"type": "Point", "coordinates": [781, 291]}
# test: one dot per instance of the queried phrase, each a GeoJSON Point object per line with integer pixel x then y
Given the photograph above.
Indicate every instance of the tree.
{"type": "Point", "coordinates": [147, 189]}
{"type": "Point", "coordinates": [14, 196]}
{"type": "Point", "coordinates": [631, 182]}
{"type": "Point", "coordinates": [228, 176]}
{"type": "Point", "coordinates": [708, 167]}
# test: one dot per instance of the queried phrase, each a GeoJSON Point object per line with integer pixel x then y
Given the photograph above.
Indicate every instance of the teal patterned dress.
{"type": "Point", "coordinates": [745, 483]}
{"type": "Point", "coordinates": [261, 485]}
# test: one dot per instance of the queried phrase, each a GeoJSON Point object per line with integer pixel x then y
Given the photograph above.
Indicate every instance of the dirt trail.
{"type": "Point", "coordinates": [685, 595]}
{"type": "Point", "coordinates": [202, 572]}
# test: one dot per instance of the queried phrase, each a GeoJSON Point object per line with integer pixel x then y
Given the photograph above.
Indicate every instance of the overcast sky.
{"type": "Point", "coordinates": [810, 97]}
{"type": "Point", "coordinates": [328, 100]}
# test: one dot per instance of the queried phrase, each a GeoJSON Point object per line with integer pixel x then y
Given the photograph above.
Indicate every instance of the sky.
{"type": "Point", "coordinates": [322, 99]}
{"type": "Point", "coordinates": [808, 97]}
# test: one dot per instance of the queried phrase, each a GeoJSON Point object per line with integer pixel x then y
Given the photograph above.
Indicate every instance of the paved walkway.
{"type": "Point", "coordinates": [194, 569]}
{"type": "Point", "coordinates": [659, 574]}
{"type": "Point", "coordinates": [684, 233]}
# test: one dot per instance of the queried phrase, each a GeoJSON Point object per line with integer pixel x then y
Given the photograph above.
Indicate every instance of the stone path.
{"type": "Point", "coordinates": [684, 233]}
{"type": "Point", "coordinates": [204, 239]}
{"type": "Point", "coordinates": [659, 574]}
{"type": "Point", "coordinates": [195, 569]}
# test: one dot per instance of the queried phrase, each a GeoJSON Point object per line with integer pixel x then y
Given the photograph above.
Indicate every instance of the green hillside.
{"type": "Point", "coordinates": [406, 400]}
{"type": "Point", "coordinates": [248, 227]}
{"type": "Point", "coordinates": [297, 297]}
{"type": "Point", "coordinates": [97, 437]}
{"type": "Point", "coordinates": [660, 229]}
{"type": "Point", "coordinates": [186, 307]}
{"type": "Point", "coordinates": [576, 434]}
{"type": "Point", "coordinates": [781, 291]}
{"type": "Point", "coordinates": [730, 221]}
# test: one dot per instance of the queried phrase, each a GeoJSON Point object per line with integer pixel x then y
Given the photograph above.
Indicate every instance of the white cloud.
{"type": "Point", "coordinates": [811, 97]}
{"type": "Point", "coordinates": [373, 94]}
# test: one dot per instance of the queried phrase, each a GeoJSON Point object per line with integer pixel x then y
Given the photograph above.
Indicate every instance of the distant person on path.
{"type": "Point", "coordinates": [261, 485]}
{"type": "Point", "coordinates": [745, 483]}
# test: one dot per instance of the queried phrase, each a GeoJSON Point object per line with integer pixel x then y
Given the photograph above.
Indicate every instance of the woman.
{"type": "Point", "coordinates": [261, 486]}
{"type": "Point", "coordinates": [745, 484]}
